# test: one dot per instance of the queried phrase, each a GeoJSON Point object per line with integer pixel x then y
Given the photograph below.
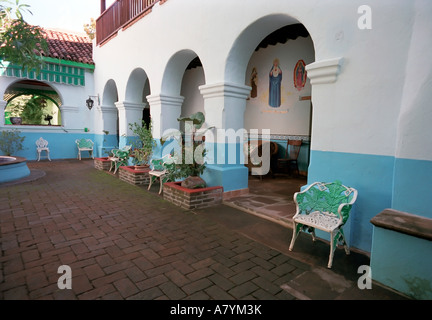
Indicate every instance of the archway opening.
{"type": "Point", "coordinates": [137, 90]}
{"type": "Point", "coordinates": [32, 102]}
{"type": "Point", "coordinates": [193, 78]}
{"type": "Point", "coordinates": [279, 104]}
{"type": "Point", "coordinates": [110, 117]}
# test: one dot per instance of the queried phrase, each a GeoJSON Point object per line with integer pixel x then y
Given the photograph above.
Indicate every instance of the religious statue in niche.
{"type": "Point", "coordinates": [254, 83]}
{"type": "Point", "coordinates": [300, 75]}
{"type": "Point", "coordinates": [275, 85]}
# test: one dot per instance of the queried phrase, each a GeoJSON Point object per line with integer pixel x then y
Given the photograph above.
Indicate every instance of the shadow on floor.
{"type": "Point", "coordinates": [270, 197]}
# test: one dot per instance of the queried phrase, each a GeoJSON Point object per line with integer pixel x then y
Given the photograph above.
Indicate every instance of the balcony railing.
{"type": "Point", "coordinates": [119, 14]}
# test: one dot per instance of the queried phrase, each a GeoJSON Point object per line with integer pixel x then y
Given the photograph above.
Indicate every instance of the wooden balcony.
{"type": "Point", "coordinates": [118, 15]}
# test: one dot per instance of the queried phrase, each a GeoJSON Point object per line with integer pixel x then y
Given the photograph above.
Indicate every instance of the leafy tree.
{"type": "Point", "coordinates": [90, 28]}
{"type": "Point", "coordinates": [21, 44]}
{"type": "Point", "coordinates": [11, 141]}
{"type": "Point", "coordinates": [30, 108]}
{"type": "Point", "coordinates": [34, 110]}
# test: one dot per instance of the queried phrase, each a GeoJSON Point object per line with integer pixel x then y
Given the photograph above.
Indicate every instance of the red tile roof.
{"type": "Point", "coordinates": [69, 46]}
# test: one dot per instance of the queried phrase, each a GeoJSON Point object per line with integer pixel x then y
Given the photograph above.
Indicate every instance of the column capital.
{"type": "Point", "coordinates": [165, 99]}
{"type": "Point", "coordinates": [64, 108]}
{"type": "Point", "coordinates": [126, 105]}
{"type": "Point", "coordinates": [324, 71]}
{"type": "Point", "coordinates": [225, 89]}
{"type": "Point", "coordinates": [106, 109]}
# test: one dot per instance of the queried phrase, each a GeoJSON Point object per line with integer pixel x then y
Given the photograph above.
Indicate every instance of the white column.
{"type": "Point", "coordinates": [2, 112]}
{"type": "Point", "coordinates": [164, 111]}
{"type": "Point", "coordinates": [129, 112]}
{"type": "Point", "coordinates": [224, 106]}
{"type": "Point", "coordinates": [108, 116]}
{"type": "Point", "coordinates": [70, 116]}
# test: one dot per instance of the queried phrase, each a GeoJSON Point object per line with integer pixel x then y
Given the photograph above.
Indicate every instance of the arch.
{"type": "Point", "coordinates": [34, 88]}
{"type": "Point", "coordinates": [137, 86]}
{"type": "Point", "coordinates": [21, 87]}
{"type": "Point", "coordinates": [193, 78]}
{"type": "Point", "coordinates": [260, 44]}
{"type": "Point", "coordinates": [39, 94]}
{"type": "Point", "coordinates": [248, 40]}
{"type": "Point", "coordinates": [137, 90]}
{"type": "Point", "coordinates": [174, 71]}
{"type": "Point", "coordinates": [110, 94]}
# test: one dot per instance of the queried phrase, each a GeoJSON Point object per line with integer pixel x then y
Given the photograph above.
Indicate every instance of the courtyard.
{"type": "Point", "coordinates": [124, 242]}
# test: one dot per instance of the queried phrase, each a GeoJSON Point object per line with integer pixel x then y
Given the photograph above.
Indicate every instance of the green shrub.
{"type": "Point", "coordinates": [11, 141]}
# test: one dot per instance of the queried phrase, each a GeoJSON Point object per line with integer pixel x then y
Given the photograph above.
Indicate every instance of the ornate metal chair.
{"type": "Point", "coordinates": [84, 145]}
{"type": "Point", "coordinates": [119, 157]}
{"type": "Point", "coordinates": [158, 171]}
{"type": "Point", "coordinates": [324, 206]}
{"type": "Point", "coordinates": [42, 145]}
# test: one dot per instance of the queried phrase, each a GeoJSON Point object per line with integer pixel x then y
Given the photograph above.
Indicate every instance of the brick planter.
{"type": "Point", "coordinates": [102, 163]}
{"type": "Point", "coordinates": [192, 198]}
{"type": "Point", "coordinates": [135, 177]}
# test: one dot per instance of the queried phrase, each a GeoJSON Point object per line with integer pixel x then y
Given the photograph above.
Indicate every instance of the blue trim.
{"type": "Point", "coordinates": [402, 262]}
{"type": "Point", "coordinates": [13, 172]}
{"type": "Point", "coordinates": [230, 177]}
{"type": "Point", "coordinates": [412, 186]}
{"type": "Point", "coordinates": [371, 175]}
{"type": "Point", "coordinates": [62, 145]}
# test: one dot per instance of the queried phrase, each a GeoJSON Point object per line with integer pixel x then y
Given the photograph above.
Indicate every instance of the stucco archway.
{"type": "Point", "coordinates": [274, 37]}
{"type": "Point", "coordinates": [41, 91]}
{"type": "Point", "coordinates": [109, 116]}
{"type": "Point", "coordinates": [137, 90]}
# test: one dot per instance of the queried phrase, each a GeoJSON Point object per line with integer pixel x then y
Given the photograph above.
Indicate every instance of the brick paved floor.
{"type": "Point", "coordinates": [124, 242]}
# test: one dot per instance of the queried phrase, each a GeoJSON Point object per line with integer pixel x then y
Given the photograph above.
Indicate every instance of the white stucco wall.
{"type": "Point", "coordinates": [75, 114]}
{"type": "Point", "coordinates": [193, 101]}
{"type": "Point", "coordinates": [293, 116]}
{"type": "Point", "coordinates": [368, 87]}
{"type": "Point", "coordinates": [414, 136]}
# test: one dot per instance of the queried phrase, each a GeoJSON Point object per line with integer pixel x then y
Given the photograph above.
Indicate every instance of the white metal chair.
{"type": "Point", "coordinates": [42, 145]}
{"type": "Point", "coordinates": [324, 206]}
{"type": "Point", "coordinates": [157, 172]}
{"type": "Point", "coordinates": [119, 157]}
{"type": "Point", "coordinates": [159, 169]}
{"type": "Point", "coordinates": [84, 145]}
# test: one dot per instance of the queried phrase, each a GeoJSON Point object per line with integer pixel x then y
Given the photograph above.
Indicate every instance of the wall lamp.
{"type": "Point", "coordinates": [90, 102]}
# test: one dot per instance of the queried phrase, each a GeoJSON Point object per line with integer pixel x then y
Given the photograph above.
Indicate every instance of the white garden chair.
{"type": "Point", "coordinates": [42, 145]}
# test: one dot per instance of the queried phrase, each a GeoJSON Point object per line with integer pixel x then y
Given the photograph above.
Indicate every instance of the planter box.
{"type": "Point", "coordinates": [192, 198]}
{"type": "Point", "coordinates": [102, 163]}
{"type": "Point", "coordinates": [136, 177]}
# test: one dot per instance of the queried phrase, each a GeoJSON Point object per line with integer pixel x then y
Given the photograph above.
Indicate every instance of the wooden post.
{"type": "Point", "coordinates": [102, 5]}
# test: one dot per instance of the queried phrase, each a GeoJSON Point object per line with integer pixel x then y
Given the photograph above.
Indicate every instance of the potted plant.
{"type": "Point", "coordinates": [14, 113]}
{"type": "Point", "coordinates": [143, 145]}
{"type": "Point", "coordinates": [11, 142]}
{"type": "Point", "coordinates": [190, 164]}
